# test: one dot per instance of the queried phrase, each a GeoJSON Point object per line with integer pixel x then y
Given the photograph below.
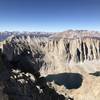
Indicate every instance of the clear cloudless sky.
{"type": "Point", "coordinates": [49, 15]}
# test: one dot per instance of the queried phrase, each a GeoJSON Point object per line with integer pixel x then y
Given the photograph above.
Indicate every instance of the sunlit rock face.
{"type": "Point", "coordinates": [76, 50]}
{"type": "Point", "coordinates": [59, 49]}
{"type": "Point", "coordinates": [78, 46]}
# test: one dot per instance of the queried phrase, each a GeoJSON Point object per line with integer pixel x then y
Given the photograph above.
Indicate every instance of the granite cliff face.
{"type": "Point", "coordinates": [59, 49]}
{"type": "Point", "coordinates": [71, 60]}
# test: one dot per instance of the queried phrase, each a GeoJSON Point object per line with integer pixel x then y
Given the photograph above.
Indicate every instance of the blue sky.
{"type": "Point", "coordinates": [49, 15]}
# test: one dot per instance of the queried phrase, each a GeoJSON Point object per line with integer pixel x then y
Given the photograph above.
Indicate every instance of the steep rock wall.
{"type": "Point", "coordinates": [76, 50]}
{"type": "Point", "coordinates": [58, 52]}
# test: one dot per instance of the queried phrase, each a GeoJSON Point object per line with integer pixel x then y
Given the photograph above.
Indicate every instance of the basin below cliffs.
{"type": "Point", "coordinates": [69, 80]}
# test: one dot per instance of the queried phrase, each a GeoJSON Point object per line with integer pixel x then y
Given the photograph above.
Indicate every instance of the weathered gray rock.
{"type": "Point", "coordinates": [13, 89]}
{"type": "Point", "coordinates": [58, 49]}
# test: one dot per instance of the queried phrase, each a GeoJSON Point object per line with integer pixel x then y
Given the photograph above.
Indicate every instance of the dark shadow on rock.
{"type": "Point", "coordinates": [27, 62]}
{"type": "Point", "coordinates": [97, 73]}
{"type": "Point", "coordinates": [69, 80]}
{"type": "Point", "coordinates": [15, 90]}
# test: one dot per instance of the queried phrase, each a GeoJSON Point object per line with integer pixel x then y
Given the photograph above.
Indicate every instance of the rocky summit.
{"type": "Point", "coordinates": [68, 61]}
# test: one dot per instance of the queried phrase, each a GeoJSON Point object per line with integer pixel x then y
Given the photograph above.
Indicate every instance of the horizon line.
{"type": "Point", "coordinates": [90, 30]}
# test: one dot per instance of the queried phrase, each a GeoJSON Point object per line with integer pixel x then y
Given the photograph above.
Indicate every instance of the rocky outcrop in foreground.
{"type": "Point", "coordinates": [19, 86]}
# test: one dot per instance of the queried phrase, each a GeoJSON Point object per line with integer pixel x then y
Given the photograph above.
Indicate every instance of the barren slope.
{"type": "Point", "coordinates": [72, 61]}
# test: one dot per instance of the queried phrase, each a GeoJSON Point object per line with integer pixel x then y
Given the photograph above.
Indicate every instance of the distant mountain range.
{"type": "Point", "coordinates": [6, 34]}
{"type": "Point", "coordinates": [71, 34]}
